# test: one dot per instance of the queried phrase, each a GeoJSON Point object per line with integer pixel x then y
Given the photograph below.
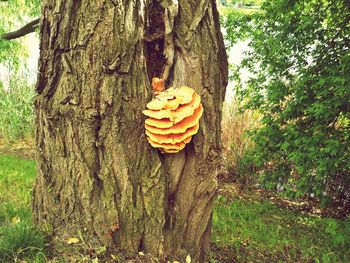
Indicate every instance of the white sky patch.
{"type": "Point", "coordinates": [235, 57]}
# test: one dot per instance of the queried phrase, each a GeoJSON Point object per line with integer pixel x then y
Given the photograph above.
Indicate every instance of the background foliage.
{"type": "Point", "coordinates": [300, 63]}
{"type": "Point", "coordinates": [16, 91]}
{"type": "Point", "coordinates": [15, 14]}
{"type": "Point", "coordinates": [17, 111]}
{"type": "Point", "coordinates": [240, 3]}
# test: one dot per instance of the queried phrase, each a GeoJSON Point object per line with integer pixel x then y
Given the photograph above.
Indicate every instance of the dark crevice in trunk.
{"type": "Point", "coordinates": [51, 88]}
{"type": "Point", "coordinates": [141, 245]}
{"type": "Point", "coordinates": [169, 224]}
{"type": "Point", "coordinates": [169, 80]}
{"type": "Point", "coordinates": [154, 39]}
{"type": "Point", "coordinates": [97, 123]}
{"type": "Point", "coordinates": [71, 9]}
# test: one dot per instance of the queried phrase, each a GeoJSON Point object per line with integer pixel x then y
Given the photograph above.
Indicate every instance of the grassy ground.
{"type": "Point", "coordinates": [19, 240]}
{"type": "Point", "coordinates": [260, 231]}
{"type": "Point", "coordinates": [244, 230]}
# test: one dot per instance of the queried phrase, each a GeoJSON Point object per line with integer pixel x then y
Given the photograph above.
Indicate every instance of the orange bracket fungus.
{"type": "Point", "coordinates": [173, 117]}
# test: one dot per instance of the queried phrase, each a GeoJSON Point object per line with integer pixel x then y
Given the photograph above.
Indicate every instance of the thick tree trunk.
{"type": "Point", "coordinates": [96, 170]}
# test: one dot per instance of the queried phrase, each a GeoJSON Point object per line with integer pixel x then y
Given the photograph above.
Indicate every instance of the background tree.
{"type": "Point", "coordinates": [300, 64]}
{"type": "Point", "coordinates": [96, 171]}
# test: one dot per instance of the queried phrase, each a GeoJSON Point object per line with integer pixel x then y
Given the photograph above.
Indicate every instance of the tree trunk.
{"type": "Point", "coordinates": [96, 170]}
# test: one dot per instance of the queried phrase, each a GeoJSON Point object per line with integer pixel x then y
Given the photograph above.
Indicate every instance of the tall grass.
{"type": "Point", "coordinates": [16, 111]}
{"type": "Point", "coordinates": [235, 125]}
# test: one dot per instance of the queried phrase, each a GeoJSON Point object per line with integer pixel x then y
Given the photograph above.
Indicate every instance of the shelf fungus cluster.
{"type": "Point", "coordinates": [173, 118]}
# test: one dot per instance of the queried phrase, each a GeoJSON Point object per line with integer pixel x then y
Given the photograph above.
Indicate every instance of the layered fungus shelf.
{"type": "Point", "coordinates": [173, 118]}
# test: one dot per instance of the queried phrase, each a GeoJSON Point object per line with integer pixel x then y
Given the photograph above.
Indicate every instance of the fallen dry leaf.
{"type": "Point", "coordinates": [72, 240]}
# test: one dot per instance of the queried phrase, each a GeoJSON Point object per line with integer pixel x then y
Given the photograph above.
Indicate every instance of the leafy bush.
{"type": "Point", "coordinates": [300, 61]}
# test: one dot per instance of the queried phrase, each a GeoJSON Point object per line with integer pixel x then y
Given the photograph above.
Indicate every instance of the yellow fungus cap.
{"type": "Point", "coordinates": [179, 127]}
{"type": "Point", "coordinates": [184, 94]}
{"type": "Point", "coordinates": [162, 123]}
{"type": "Point", "coordinates": [173, 138]}
{"type": "Point", "coordinates": [177, 115]}
{"type": "Point", "coordinates": [167, 146]}
{"type": "Point", "coordinates": [171, 98]}
{"type": "Point", "coordinates": [169, 151]}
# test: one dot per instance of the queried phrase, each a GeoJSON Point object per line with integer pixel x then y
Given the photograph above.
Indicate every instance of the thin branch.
{"type": "Point", "coordinates": [28, 28]}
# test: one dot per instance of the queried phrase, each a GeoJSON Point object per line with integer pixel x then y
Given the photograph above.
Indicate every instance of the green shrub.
{"type": "Point", "coordinates": [300, 64]}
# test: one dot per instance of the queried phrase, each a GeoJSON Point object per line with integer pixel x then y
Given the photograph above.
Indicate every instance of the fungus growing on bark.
{"type": "Point", "coordinates": [167, 146]}
{"type": "Point", "coordinates": [179, 113]}
{"type": "Point", "coordinates": [157, 85]}
{"type": "Point", "coordinates": [173, 138]}
{"type": "Point", "coordinates": [173, 117]}
{"type": "Point", "coordinates": [179, 127]}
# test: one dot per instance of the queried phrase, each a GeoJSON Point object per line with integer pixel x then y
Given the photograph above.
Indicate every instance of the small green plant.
{"type": "Point", "coordinates": [339, 232]}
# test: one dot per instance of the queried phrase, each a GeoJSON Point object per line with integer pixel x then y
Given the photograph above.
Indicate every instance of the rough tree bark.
{"type": "Point", "coordinates": [96, 170]}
